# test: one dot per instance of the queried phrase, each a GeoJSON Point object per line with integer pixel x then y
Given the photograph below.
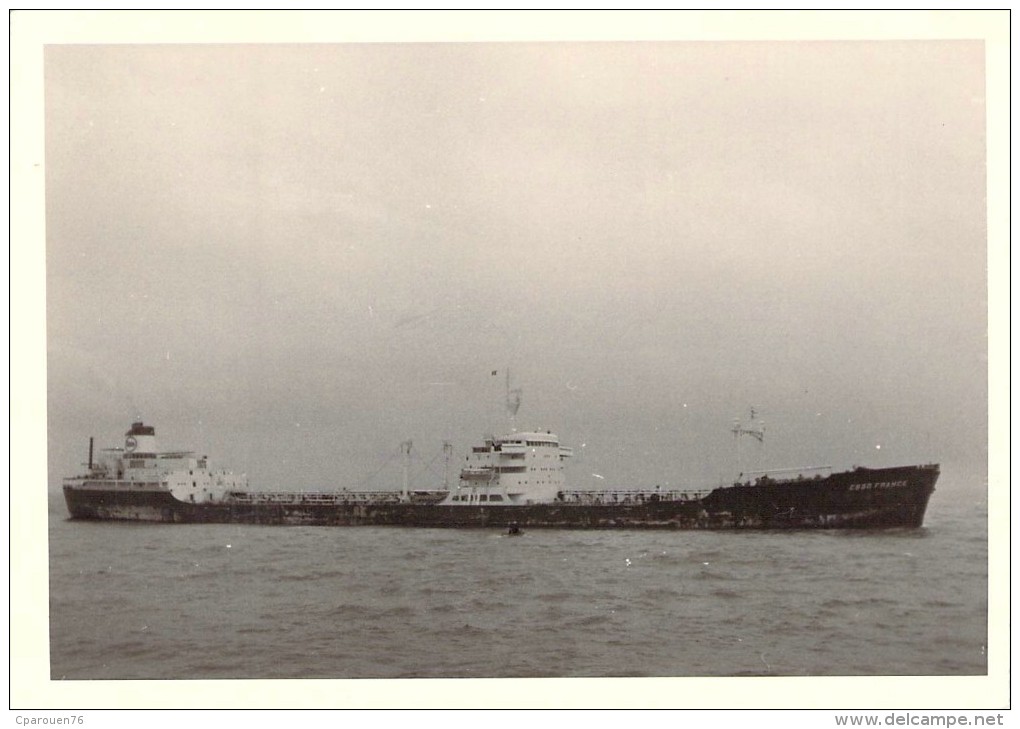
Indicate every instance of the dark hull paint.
{"type": "Point", "coordinates": [859, 499]}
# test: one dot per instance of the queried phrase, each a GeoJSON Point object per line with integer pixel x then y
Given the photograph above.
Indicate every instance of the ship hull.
{"type": "Point", "coordinates": [858, 499]}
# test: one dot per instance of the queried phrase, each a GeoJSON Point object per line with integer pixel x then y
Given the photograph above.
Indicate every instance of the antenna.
{"type": "Point", "coordinates": [755, 429]}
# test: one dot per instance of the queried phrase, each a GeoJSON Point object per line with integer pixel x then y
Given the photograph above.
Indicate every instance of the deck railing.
{"type": "Point", "coordinates": [628, 496]}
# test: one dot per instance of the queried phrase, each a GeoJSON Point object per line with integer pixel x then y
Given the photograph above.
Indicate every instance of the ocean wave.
{"type": "Point", "coordinates": [351, 603]}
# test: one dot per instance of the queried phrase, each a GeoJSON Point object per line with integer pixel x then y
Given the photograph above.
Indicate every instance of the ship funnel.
{"type": "Point", "coordinates": [140, 439]}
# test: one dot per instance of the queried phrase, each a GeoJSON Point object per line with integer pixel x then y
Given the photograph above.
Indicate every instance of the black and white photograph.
{"type": "Point", "coordinates": [515, 356]}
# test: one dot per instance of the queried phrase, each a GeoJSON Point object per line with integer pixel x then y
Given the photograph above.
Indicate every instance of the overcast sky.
{"type": "Point", "coordinates": [293, 257]}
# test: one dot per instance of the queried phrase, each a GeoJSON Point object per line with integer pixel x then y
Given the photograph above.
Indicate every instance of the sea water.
{"type": "Point", "coordinates": [153, 601]}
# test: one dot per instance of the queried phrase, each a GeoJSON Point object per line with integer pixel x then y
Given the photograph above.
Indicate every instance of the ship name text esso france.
{"type": "Point", "coordinates": [879, 485]}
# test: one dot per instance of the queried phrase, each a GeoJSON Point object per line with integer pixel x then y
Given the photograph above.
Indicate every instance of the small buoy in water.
{"type": "Point", "coordinates": [513, 530]}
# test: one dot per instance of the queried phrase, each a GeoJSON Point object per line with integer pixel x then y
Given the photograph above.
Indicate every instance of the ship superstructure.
{"type": "Point", "coordinates": [519, 468]}
{"type": "Point", "coordinates": [120, 481]}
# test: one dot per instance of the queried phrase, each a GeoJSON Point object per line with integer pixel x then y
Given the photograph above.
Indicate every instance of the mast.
{"type": "Point", "coordinates": [405, 448]}
{"type": "Point", "coordinates": [513, 401]}
{"type": "Point", "coordinates": [447, 452]}
{"type": "Point", "coordinates": [755, 429]}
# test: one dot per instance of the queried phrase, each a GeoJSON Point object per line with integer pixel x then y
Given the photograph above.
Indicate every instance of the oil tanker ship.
{"type": "Point", "coordinates": [514, 481]}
